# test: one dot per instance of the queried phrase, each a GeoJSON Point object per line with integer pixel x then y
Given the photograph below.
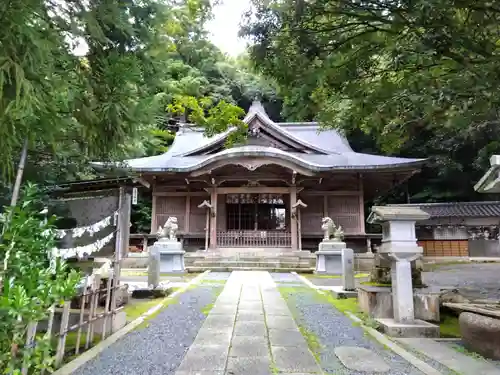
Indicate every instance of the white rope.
{"type": "Point", "coordinates": [82, 251]}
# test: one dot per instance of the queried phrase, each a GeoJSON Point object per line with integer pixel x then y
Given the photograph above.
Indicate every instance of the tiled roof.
{"type": "Point", "coordinates": [325, 150]}
{"type": "Point", "coordinates": [459, 209]}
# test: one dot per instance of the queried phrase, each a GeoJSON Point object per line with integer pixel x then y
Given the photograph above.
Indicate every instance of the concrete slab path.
{"type": "Point", "coordinates": [250, 330]}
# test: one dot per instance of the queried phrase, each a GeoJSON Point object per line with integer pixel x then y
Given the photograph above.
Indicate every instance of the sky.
{"type": "Point", "coordinates": [224, 27]}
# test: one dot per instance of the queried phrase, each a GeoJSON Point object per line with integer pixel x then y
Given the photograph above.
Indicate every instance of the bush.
{"type": "Point", "coordinates": [31, 283]}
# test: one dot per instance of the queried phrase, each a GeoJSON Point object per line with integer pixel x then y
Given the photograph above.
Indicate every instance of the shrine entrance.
{"type": "Point", "coordinates": [256, 220]}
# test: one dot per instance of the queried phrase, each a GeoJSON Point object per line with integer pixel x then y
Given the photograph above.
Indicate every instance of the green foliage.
{"type": "Point", "coordinates": [30, 283]}
{"type": "Point", "coordinates": [419, 77]}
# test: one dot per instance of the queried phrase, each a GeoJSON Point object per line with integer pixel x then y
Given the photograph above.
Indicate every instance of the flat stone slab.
{"type": "Point", "coordinates": [294, 359]}
{"type": "Point", "coordinates": [249, 365]}
{"type": "Point", "coordinates": [218, 321]}
{"type": "Point", "coordinates": [196, 372]}
{"type": "Point", "coordinates": [248, 346]}
{"type": "Point", "coordinates": [249, 317]}
{"type": "Point", "coordinates": [281, 322]}
{"type": "Point", "coordinates": [361, 359]}
{"type": "Point", "coordinates": [205, 358]}
{"type": "Point", "coordinates": [250, 329]}
{"type": "Point", "coordinates": [449, 357]}
{"type": "Point", "coordinates": [280, 337]}
{"type": "Point", "coordinates": [209, 336]}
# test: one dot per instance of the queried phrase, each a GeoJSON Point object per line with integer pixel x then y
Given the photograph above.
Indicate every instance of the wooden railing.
{"type": "Point", "coordinates": [254, 238]}
{"type": "Point", "coordinates": [89, 316]}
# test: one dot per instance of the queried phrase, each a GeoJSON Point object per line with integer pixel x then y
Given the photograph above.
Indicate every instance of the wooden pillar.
{"type": "Point", "coordinates": [187, 214]}
{"type": "Point", "coordinates": [299, 229]}
{"type": "Point", "coordinates": [207, 228]}
{"type": "Point", "coordinates": [213, 218]}
{"type": "Point", "coordinates": [293, 218]}
{"type": "Point", "coordinates": [154, 224]}
{"type": "Point", "coordinates": [325, 206]}
{"type": "Point", "coordinates": [361, 205]}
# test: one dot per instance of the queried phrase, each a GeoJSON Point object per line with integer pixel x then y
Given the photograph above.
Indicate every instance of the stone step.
{"type": "Point", "coordinates": [234, 268]}
{"type": "Point", "coordinates": [208, 263]}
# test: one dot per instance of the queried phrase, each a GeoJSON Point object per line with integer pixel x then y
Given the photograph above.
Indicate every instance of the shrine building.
{"type": "Point", "coordinates": [269, 193]}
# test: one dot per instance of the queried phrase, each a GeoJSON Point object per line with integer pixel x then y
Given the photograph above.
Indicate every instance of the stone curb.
{"type": "Point", "coordinates": [96, 350]}
{"type": "Point", "coordinates": [384, 340]}
{"type": "Point", "coordinates": [305, 281]}
{"type": "Point", "coordinates": [381, 338]}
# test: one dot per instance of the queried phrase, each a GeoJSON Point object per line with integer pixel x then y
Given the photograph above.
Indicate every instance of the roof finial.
{"type": "Point", "coordinates": [257, 107]}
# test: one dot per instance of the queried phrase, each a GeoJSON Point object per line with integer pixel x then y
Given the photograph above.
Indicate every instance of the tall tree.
{"type": "Point", "coordinates": [420, 77]}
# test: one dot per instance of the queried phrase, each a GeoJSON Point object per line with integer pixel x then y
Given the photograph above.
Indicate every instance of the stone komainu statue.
{"type": "Point", "coordinates": [169, 230]}
{"type": "Point", "coordinates": [330, 229]}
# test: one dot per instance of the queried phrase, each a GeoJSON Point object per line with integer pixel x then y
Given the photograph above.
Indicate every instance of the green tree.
{"type": "Point", "coordinates": [420, 77]}
{"type": "Point", "coordinates": [30, 283]}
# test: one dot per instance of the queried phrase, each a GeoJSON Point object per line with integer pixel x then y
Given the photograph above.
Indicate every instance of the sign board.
{"type": "Point", "coordinates": [134, 195]}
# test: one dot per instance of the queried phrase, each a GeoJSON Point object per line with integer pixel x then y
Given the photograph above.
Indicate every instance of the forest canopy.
{"type": "Point", "coordinates": [420, 78]}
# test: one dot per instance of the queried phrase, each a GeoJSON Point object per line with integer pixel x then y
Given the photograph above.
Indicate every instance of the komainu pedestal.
{"type": "Point", "coordinates": [329, 254]}
{"type": "Point", "coordinates": [168, 250]}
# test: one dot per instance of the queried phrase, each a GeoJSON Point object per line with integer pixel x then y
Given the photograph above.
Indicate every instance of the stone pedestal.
{"type": "Point", "coordinates": [348, 287]}
{"type": "Point", "coordinates": [329, 257]}
{"type": "Point", "coordinates": [171, 256]}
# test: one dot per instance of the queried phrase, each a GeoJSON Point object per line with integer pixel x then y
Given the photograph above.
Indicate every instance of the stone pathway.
{"type": "Point", "coordinates": [451, 358]}
{"type": "Point", "coordinates": [250, 330]}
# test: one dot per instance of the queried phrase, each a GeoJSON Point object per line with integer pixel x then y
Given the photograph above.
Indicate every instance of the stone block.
{"type": "Point", "coordinates": [250, 329]}
{"type": "Point", "coordinates": [208, 336]}
{"type": "Point", "coordinates": [340, 293]}
{"type": "Point", "coordinates": [218, 321]}
{"type": "Point", "coordinates": [364, 262]}
{"type": "Point", "coordinates": [481, 334]}
{"type": "Point", "coordinates": [348, 269]}
{"type": "Point", "coordinates": [281, 322]}
{"type": "Point", "coordinates": [376, 301]}
{"type": "Point", "coordinates": [361, 359]}
{"type": "Point", "coordinates": [249, 317]}
{"type": "Point", "coordinates": [247, 346]}
{"type": "Point", "coordinates": [329, 262]}
{"type": "Point", "coordinates": [294, 359]}
{"type": "Point", "coordinates": [283, 337]}
{"type": "Point", "coordinates": [150, 293]}
{"type": "Point", "coordinates": [418, 328]}
{"type": "Point", "coordinates": [171, 256]}
{"type": "Point", "coordinates": [249, 365]}
{"type": "Point", "coordinates": [205, 358]}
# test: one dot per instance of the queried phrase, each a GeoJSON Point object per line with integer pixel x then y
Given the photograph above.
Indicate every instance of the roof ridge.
{"type": "Point", "coordinates": [434, 204]}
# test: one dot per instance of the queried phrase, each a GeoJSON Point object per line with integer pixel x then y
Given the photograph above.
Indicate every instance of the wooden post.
{"type": "Point", "coordinates": [154, 224]}
{"type": "Point", "coordinates": [325, 206]}
{"type": "Point", "coordinates": [30, 341]}
{"type": "Point", "coordinates": [122, 226]}
{"type": "Point", "coordinates": [207, 228]}
{"type": "Point", "coordinates": [188, 213]}
{"type": "Point", "coordinates": [213, 218]}
{"type": "Point", "coordinates": [293, 219]}
{"type": "Point", "coordinates": [361, 205]}
{"type": "Point", "coordinates": [298, 206]}
{"type": "Point", "coordinates": [145, 244]}
{"type": "Point", "coordinates": [62, 334]}
{"type": "Point", "coordinates": [208, 208]}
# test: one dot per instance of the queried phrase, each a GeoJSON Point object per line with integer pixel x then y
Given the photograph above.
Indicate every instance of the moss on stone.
{"type": "Point", "coordinates": [449, 326]}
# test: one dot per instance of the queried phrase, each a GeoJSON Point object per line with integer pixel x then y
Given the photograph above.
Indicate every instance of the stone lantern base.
{"type": "Point", "coordinates": [417, 328]}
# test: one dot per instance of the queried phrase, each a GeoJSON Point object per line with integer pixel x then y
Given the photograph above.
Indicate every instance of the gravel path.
{"type": "Point", "coordinates": [475, 280]}
{"type": "Point", "coordinates": [159, 347]}
{"type": "Point", "coordinates": [332, 329]}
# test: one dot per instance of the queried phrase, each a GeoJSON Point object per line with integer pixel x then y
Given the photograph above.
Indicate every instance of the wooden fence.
{"type": "Point", "coordinates": [254, 238]}
{"type": "Point", "coordinates": [87, 314]}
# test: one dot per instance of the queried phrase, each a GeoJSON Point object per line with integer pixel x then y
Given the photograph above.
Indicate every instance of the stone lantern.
{"type": "Point", "coordinates": [400, 248]}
